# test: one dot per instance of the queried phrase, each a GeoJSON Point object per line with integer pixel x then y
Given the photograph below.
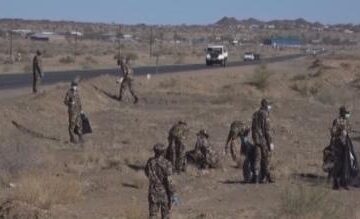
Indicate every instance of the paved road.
{"type": "Point", "coordinates": [14, 81]}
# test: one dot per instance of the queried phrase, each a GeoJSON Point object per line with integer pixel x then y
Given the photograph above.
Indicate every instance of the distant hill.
{"type": "Point", "coordinates": [231, 21]}
{"type": "Point", "coordinates": [227, 21]}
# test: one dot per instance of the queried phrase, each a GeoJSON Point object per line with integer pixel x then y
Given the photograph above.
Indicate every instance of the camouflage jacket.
{"type": "Point", "coordinates": [340, 129]}
{"type": "Point", "coordinates": [238, 129]}
{"type": "Point", "coordinates": [159, 171]}
{"type": "Point", "coordinates": [178, 131]}
{"type": "Point", "coordinates": [261, 128]}
{"type": "Point", "coordinates": [204, 148]}
{"type": "Point", "coordinates": [202, 145]}
{"type": "Point", "coordinates": [37, 65]}
{"type": "Point", "coordinates": [127, 71]}
{"type": "Point", "coordinates": [73, 102]}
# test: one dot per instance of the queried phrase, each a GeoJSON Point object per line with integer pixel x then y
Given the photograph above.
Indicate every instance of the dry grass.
{"type": "Point", "coordinates": [133, 212]}
{"type": "Point", "coordinates": [306, 89]}
{"type": "Point", "coordinates": [67, 60]}
{"type": "Point", "coordinates": [168, 83]}
{"type": "Point", "coordinates": [260, 78]}
{"type": "Point", "coordinates": [45, 190]}
{"type": "Point", "coordinates": [304, 202]}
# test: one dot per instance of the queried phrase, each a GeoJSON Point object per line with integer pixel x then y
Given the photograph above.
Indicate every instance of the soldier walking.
{"type": "Point", "coordinates": [73, 102]}
{"type": "Point", "coordinates": [176, 149]}
{"type": "Point", "coordinates": [161, 188]}
{"type": "Point", "coordinates": [263, 143]}
{"type": "Point", "coordinates": [37, 71]}
{"type": "Point", "coordinates": [127, 82]}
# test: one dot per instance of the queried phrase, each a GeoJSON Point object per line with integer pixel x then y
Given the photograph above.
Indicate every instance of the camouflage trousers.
{"type": "Point", "coordinates": [159, 205]}
{"type": "Point", "coordinates": [203, 159]}
{"type": "Point", "coordinates": [176, 154]}
{"type": "Point", "coordinates": [262, 162]}
{"type": "Point", "coordinates": [36, 82]}
{"type": "Point", "coordinates": [127, 84]}
{"type": "Point", "coordinates": [340, 170]}
{"type": "Point", "coordinates": [75, 125]}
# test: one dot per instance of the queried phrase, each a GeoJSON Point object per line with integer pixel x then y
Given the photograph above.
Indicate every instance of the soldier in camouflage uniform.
{"type": "Point", "coordinates": [37, 72]}
{"type": "Point", "coordinates": [340, 147]}
{"type": "Point", "coordinates": [161, 188]}
{"type": "Point", "coordinates": [203, 155]}
{"type": "Point", "coordinates": [128, 79]}
{"type": "Point", "coordinates": [73, 102]}
{"type": "Point", "coordinates": [176, 149]}
{"type": "Point", "coordinates": [263, 143]}
{"type": "Point", "coordinates": [237, 130]}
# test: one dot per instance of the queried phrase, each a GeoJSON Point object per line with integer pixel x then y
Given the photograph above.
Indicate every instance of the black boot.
{"type": "Point", "coordinates": [254, 179]}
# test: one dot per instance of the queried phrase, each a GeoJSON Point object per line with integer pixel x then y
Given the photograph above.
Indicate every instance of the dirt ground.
{"type": "Point", "coordinates": [103, 178]}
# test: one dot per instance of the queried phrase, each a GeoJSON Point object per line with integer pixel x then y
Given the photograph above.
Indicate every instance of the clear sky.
{"type": "Point", "coordinates": [181, 11]}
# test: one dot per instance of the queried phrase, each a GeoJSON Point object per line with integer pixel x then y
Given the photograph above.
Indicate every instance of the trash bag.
{"type": "Point", "coordinates": [328, 159]}
{"type": "Point", "coordinates": [248, 150]}
{"type": "Point", "coordinates": [353, 161]}
{"type": "Point", "coordinates": [86, 126]}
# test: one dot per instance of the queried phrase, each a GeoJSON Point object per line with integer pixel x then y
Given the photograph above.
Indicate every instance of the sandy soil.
{"type": "Point", "coordinates": [108, 166]}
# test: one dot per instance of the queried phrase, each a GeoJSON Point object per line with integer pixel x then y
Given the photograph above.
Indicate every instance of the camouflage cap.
{"type": "Point", "coordinates": [265, 103]}
{"type": "Point", "coordinates": [182, 122]}
{"type": "Point", "coordinates": [159, 148]}
{"type": "Point", "coordinates": [203, 132]}
{"type": "Point", "coordinates": [343, 110]}
{"type": "Point", "coordinates": [75, 82]}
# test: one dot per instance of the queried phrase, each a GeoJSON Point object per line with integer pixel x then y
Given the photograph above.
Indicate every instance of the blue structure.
{"type": "Point", "coordinates": [284, 42]}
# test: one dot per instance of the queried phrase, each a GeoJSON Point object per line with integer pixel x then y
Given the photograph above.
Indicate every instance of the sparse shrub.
{"type": "Point", "coordinates": [44, 190]}
{"type": "Point", "coordinates": [260, 78]}
{"type": "Point", "coordinates": [317, 73]}
{"type": "Point", "coordinates": [306, 89]}
{"type": "Point", "coordinates": [308, 203]}
{"type": "Point", "coordinates": [345, 65]}
{"type": "Point", "coordinates": [130, 55]}
{"type": "Point", "coordinates": [90, 60]}
{"type": "Point", "coordinates": [67, 60]}
{"type": "Point", "coordinates": [315, 64]}
{"type": "Point", "coordinates": [179, 58]}
{"type": "Point", "coordinates": [299, 77]}
{"type": "Point", "coordinates": [220, 100]}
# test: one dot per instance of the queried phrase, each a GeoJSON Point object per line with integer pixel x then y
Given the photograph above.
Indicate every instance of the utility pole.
{"type": "Point", "coordinates": [119, 41]}
{"type": "Point", "coordinates": [76, 39]}
{"type": "Point", "coordinates": [11, 47]}
{"type": "Point", "coordinates": [151, 41]}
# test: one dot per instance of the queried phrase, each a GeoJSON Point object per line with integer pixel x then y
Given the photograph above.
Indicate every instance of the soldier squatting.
{"type": "Point", "coordinates": [339, 158]}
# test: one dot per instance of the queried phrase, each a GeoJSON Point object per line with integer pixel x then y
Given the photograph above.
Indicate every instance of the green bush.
{"type": "Point", "coordinates": [260, 78]}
